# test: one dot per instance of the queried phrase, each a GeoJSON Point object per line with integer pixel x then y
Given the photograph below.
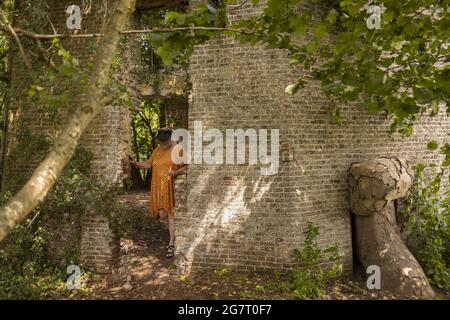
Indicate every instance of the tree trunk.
{"type": "Point", "coordinates": [374, 185]}
{"type": "Point", "coordinates": [378, 242]}
{"type": "Point", "coordinates": [136, 177]}
{"type": "Point", "coordinates": [5, 119]}
{"type": "Point", "coordinates": [44, 177]}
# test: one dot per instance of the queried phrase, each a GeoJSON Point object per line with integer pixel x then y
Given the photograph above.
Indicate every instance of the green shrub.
{"type": "Point", "coordinates": [310, 280]}
{"type": "Point", "coordinates": [427, 221]}
{"type": "Point", "coordinates": [27, 271]}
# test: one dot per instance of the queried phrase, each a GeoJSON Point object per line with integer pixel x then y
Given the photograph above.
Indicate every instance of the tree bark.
{"type": "Point", "coordinates": [136, 176]}
{"type": "Point", "coordinates": [44, 177]}
{"type": "Point", "coordinates": [374, 185]}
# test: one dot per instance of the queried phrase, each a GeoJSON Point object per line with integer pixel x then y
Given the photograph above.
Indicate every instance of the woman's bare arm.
{"type": "Point", "coordinates": [141, 165]}
{"type": "Point", "coordinates": [179, 172]}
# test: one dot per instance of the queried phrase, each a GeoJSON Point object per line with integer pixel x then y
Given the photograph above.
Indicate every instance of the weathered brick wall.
{"type": "Point", "coordinates": [99, 245]}
{"type": "Point", "coordinates": [234, 216]}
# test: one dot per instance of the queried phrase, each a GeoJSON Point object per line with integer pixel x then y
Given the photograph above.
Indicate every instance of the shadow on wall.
{"type": "Point", "coordinates": [246, 221]}
{"type": "Point", "coordinates": [226, 215]}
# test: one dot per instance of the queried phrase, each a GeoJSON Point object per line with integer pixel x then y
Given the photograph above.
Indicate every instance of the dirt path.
{"type": "Point", "coordinates": [145, 273]}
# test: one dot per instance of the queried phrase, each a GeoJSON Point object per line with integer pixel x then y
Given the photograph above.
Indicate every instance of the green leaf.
{"type": "Point", "coordinates": [292, 89]}
{"type": "Point", "coordinates": [165, 55]}
{"type": "Point", "coordinates": [432, 145]}
{"type": "Point", "coordinates": [311, 47]}
{"type": "Point", "coordinates": [299, 24]}
{"type": "Point", "coordinates": [387, 16]}
{"type": "Point", "coordinates": [372, 106]}
{"type": "Point", "coordinates": [172, 16]}
{"type": "Point", "coordinates": [336, 116]}
{"type": "Point", "coordinates": [181, 19]}
{"type": "Point", "coordinates": [434, 107]}
{"type": "Point", "coordinates": [332, 16]}
{"type": "Point", "coordinates": [321, 31]}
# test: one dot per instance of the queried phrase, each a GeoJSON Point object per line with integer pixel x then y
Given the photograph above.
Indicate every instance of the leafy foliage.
{"type": "Point", "coordinates": [56, 88]}
{"type": "Point", "coordinates": [25, 271]}
{"type": "Point", "coordinates": [29, 269]}
{"type": "Point", "coordinates": [309, 281]}
{"type": "Point", "coordinates": [176, 47]}
{"type": "Point", "coordinates": [427, 216]}
{"type": "Point", "coordinates": [399, 69]}
{"type": "Point", "coordinates": [145, 124]}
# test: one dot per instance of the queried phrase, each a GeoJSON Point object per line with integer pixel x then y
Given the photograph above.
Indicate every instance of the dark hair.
{"type": "Point", "coordinates": [164, 134]}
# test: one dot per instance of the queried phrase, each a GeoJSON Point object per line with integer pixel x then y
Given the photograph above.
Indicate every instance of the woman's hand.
{"type": "Point", "coordinates": [134, 163]}
{"type": "Point", "coordinates": [140, 165]}
{"type": "Point", "coordinates": [178, 172]}
{"type": "Point", "coordinates": [173, 173]}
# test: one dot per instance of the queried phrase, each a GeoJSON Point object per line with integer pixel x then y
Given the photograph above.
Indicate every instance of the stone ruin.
{"type": "Point", "coordinates": [231, 215]}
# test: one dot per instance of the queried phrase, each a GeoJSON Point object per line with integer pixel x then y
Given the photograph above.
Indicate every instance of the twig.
{"type": "Point", "coordinates": [44, 56]}
{"type": "Point", "coordinates": [11, 31]}
{"type": "Point", "coordinates": [33, 35]}
{"type": "Point", "coordinates": [51, 24]}
{"type": "Point", "coordinates": [32, 220]}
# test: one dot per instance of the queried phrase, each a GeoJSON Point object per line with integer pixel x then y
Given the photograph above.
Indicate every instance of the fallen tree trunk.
{"type": "Point", "coordinates": [374, 185]}
{"type": "Point", "coordinates": [44, 177]}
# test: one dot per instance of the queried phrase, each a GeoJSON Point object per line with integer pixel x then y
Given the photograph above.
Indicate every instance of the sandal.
{"type": "Point", "coordinates": [170, 251]}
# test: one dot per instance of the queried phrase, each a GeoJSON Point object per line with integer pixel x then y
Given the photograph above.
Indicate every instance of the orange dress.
{"type": "Point", "coordinates": [162, 188]}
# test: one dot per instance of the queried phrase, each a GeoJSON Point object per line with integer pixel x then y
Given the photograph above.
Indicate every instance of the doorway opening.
{"type": "Point", "coordinates": [164, 93]}
{"type": "Point", "coordinates": [155, 113]}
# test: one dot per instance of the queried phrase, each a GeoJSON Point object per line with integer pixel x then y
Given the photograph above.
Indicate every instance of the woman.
{"type": "Point", "coordinates": [162, 198]}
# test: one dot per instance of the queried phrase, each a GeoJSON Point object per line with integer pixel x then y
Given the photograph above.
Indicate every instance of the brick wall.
{"type": "Point", "coordinates": [99, 245]}
{"type": "Point", "coordinates": [235, 217]}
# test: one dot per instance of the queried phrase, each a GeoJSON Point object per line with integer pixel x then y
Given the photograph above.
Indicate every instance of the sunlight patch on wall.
{"type": "Point", "coordinates": [228, 213]}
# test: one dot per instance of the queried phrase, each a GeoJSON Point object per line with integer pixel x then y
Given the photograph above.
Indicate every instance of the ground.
{"type": "Point", "coordinates": [144, 272]}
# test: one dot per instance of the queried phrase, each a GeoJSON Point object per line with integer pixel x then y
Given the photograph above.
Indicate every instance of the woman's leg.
{"type": "Point", "coordinates": [171, 229]}
{"type": "Point", "coordinates": [163, 217]}
{"type": "Point", "coordinates": [169, 222]}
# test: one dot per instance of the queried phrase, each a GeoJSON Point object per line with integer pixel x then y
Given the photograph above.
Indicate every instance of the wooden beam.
{"type": "Point", "coordinates": [160, 4]}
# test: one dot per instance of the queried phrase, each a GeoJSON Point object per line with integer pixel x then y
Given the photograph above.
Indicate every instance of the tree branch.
{"type": "Point", "coordinates": [9, 29]}
{"type": "Point", "coordinates": [29, 34]}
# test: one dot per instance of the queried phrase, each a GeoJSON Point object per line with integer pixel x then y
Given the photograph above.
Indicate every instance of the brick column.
{"type": "Point", "coordinates": [180, 209]}
{"type": "Point", "coordinates": [100, 247]}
